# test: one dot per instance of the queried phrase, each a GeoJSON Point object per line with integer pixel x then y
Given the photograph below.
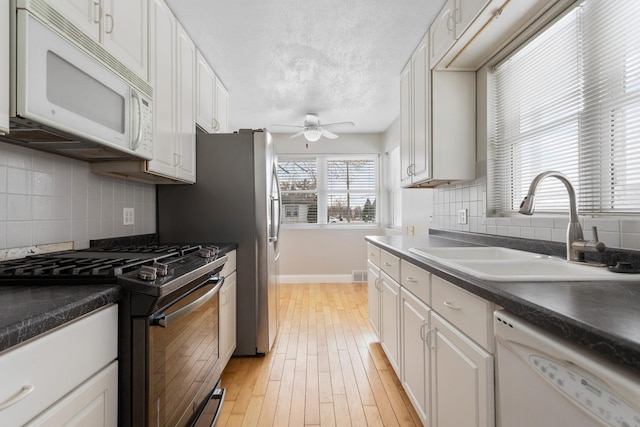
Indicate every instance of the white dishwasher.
{"type": "Point", "coordinates": [545, 381]}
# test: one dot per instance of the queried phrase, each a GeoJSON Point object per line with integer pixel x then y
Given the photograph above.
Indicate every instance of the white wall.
{"type": "Point", "coordinates": [45, 198]}
{"type": "Point", "coordinates": [326, 253]}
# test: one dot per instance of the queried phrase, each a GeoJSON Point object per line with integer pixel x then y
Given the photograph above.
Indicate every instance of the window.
{"type": "Point", "coordinates": [328, 189]}
{"type": "Point", "coordinates": [569, 100]}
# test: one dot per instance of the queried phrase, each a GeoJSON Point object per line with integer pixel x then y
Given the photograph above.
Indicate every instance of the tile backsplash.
{"type": "Point", "coordinates": [45, 198]}
{"type": "Point", "coordinates": [616, 232]}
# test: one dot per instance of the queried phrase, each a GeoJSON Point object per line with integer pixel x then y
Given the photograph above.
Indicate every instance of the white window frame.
{"type": "Point", "coordinates": [322, 189]}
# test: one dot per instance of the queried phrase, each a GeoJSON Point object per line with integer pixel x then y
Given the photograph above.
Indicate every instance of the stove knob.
{"type": "Point", "coordinates": [147, 273]}
{"type": "Point", "coordinates": [162, 268]}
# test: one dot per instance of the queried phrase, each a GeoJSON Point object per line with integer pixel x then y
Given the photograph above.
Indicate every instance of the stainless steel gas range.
{"type": "Point", "coordinates": [168, 332]}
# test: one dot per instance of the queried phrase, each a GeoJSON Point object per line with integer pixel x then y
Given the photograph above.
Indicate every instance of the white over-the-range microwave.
{"type": "Point", "coordinates": [65, 100]}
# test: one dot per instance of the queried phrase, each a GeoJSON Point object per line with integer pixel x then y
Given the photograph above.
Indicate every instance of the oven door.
{"type": "Point", "coordinates": [183, 369]}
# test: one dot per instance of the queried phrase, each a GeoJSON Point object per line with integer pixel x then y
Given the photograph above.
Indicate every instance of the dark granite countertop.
{"type": "Point", "coordinates": [602, 317]}
{"type": "Point", "coordinates": [28, 311]}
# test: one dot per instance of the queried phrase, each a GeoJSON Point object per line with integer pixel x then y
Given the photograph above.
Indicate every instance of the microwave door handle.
{"type": "Point", "coordinates": [135, 143]}
{"type": "Point", "coordinates": [163, 320]}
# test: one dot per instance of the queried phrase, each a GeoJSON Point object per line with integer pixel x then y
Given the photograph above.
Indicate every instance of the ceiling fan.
{"type": "Point", "coordinates": [313, 129]}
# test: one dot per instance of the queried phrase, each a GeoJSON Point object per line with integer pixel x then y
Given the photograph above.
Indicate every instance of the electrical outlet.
{"type": "Point", "coordinates": [128, 216]}
{"type": "Point", "coordinates": [462, 216]}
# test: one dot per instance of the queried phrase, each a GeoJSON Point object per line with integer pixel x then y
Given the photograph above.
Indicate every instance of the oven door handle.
{"type": "Point", "coordinates": [163, 320]}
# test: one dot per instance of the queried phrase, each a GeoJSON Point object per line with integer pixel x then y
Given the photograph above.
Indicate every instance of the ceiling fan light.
{"type": "Point", "coordinates": [312, 135]}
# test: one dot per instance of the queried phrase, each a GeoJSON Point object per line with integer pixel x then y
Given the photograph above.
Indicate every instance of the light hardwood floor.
{"type": "Point", "coordinates": [326, 367]}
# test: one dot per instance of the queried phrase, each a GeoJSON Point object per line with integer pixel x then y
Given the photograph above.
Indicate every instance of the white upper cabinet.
{"type": "Point", "coordinates": [212, 99]}
{"type": "Point", "coordinates": [173, 63]}
{"type": "Point", "coordinates": [4, 69]}
{"type": "Point", "coordinates": [437, 123]}
{"type": "Point", "coordinates": [415, 100]}
{"type": "Point", "coordinates": [452, 21]}
{"type": "Point", "coordinates": [120, 26]}
{"type": "Point", "coordinates": [222, 107]}
{"type": "Point", "coordinates": [206, 95]}
{"type": "Point", "coordinates": [186, 125]}
{"type": "Point", "coordinates": [163, 40]}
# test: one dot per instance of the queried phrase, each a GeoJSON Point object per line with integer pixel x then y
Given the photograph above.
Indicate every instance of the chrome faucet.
{"type": "Point", "coordinates": [576, 245]}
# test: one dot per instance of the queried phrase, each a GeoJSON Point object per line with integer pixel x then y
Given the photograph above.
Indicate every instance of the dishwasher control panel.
{"type": "Point", "coordinates": [590, 395]}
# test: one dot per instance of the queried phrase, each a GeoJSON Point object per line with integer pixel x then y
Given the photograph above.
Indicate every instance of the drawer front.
{"type": "Point", "coordinates": [469, 313]}
{"type": "Point", "coordinates": [55, 363]}
{"type": "Point", "coordinates": [230, 265]}
{"type": "Point", "coordinates": [373, 254]}
{"type": "Point", "coordinates": [390, 264]}
{"type": "Point", "coordinates": [416, 280]}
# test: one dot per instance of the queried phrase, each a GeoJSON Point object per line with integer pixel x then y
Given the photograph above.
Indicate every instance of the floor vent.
{"type": "Point", "coordinates": [359, 276]}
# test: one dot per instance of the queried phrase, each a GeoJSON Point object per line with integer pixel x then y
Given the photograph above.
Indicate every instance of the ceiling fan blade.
{"type": "Point", "coordinates": [288, 126]}
{"type": "Point", "coordinates": [338, 124]}
{"type": "Point", "coordinates": [296, 134]}
{"type": "Point", "coordinates": [328, 134]}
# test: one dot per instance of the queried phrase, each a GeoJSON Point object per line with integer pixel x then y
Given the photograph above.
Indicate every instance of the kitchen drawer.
{"type": "Point", "coordinates": [230, 265]}
{"type": "Point", "coordinates": [416, 280]}
{"type": "Point", "coordinates": [373, 254]}
{"type": "Point", "coordinates": [390, 264]}
{"type": "Point", "coordinates": [469, 313]}
{"type": "Point", "coordinates": [56, 363]}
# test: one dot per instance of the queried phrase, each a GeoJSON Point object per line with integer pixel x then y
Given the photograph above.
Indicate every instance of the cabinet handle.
{"type": "Point", "coordinates": [175, 159]}
{"type": "Point", "coordinates": [24, 392]}
{"type": "Point", "coordinates": [428, 339]}
{"type": "Point", "coordinates": [452, 306]}
{"type": "Point", "coordinates": [379, 284]}
{"type": "Point", "coordinates": [450, 22]}
{"type": "Point", "coordinates": [216, 124]}
{"type": "Point", "coordinates": [110, 23]}
{"type": "Point", "coordinates": [97, 12]}
{"type": "Point", "coordinates": [411, 279]}
{"type": "Point", "coordinates": [386, 264]}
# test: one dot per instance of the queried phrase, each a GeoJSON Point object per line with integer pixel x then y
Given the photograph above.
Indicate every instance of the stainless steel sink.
{"type": "Point", "coordinates": [510, 265]}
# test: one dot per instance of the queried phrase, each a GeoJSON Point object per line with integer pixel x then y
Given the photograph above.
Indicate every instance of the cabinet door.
{"type": "Point", "coordinates": [163, 30]}
{"type": "Point", "coordinates": [124, 33]}
{"type": "Point", "coordinates": [390, 321]}
{"type": "Point", "coordinates": [415, 353]}
{"type": "Point", "coordinates": [461, 379]}
{"type": "Point", "coordinates": [205, 98]}
{"type": "Point", "coordinates": [186, 119]}
{"type": "Point", "coordinates": [228, 300]}
{"type": "Point", "coordinates": [466, 12]}
{"type": "Point", "coordinates": [406, 137]}
{"type": "Point", "coordinates": [374, 289]}
{"type": "Point", "coordinates": [421, 169]}
{"type": "Point", "coordinates": [94, 403]}
{"type": "Point", "coordinates": [4, 69]}
{"type": "Point", "coordinates": [84, 14]}
{"type": "Point", "coordinates": [442, 32]}
{"type": "Point", "coordinates": [222, 108]}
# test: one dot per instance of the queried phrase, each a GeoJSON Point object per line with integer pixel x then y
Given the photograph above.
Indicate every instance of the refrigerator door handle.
{"type": "Point", "coordinates": [275, 208]}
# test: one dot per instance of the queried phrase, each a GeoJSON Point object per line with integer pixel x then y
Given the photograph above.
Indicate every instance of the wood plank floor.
{"type": "Point", "coordinates": [326, 367]}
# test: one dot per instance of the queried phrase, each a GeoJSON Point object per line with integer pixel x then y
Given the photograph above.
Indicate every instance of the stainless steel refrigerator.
{"type": "Point", "coordinates": [236, 198]}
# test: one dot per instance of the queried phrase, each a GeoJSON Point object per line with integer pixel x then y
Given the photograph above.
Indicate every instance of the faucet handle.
{"type": "Point", "coordinates": [594, 245]}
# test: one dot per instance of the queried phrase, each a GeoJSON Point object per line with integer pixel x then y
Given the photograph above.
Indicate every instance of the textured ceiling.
{"type": "Point", "coordinates": [281, 59]}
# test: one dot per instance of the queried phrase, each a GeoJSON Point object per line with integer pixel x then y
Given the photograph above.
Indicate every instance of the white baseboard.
{"type": "Point", "coordinates": [314, 278]}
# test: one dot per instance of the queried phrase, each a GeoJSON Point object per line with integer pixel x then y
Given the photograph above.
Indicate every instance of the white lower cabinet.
{"type": "Point", "coordinates": [94, 403]}
{"type": "Point", "coordinates": [390, 320]}
{"type": "Point", "coordinates": [227, 305]}
{"type": "Point", "coordinates": [228, 298]}
{"type": "Point", "coordinates": [68, 376]}
{"type": "Point", "coordinates": [415, 352]}
{"type": "Point", "coordinates": [374, 283]}
{"type": "Point", "coordinates": [461, 379]}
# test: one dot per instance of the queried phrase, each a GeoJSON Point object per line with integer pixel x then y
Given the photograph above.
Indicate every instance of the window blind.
{"type": "Point", "coordinates": [570, 101]}
{"type": "Point", "coordinates": [328, 189]}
